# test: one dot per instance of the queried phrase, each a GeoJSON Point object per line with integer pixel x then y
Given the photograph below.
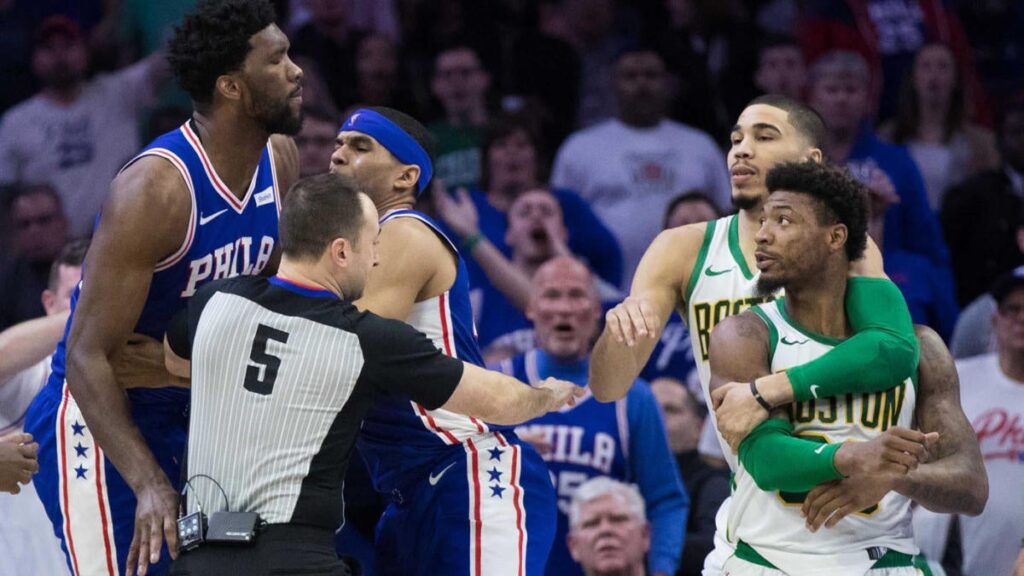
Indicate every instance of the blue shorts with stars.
{"type": "Point", "coordinates": [91, 507]}
{"type": "Point", "coordinates": [487, 509]}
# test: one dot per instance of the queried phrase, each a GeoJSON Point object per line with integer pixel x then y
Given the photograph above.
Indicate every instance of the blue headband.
{"type": "Point", "coordinates": [392, 137]}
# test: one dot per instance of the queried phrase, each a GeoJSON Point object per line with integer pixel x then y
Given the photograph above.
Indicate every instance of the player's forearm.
{"type": "Point", "coordinates": [512, 282]}
{"type": "Point", "coordinates": [953, 485]}
{"type": "Point", "coordinates": [108, 415]}
{"type": "Point", "coordinates": [497, 398]}
{"type": "Point", "coordinates": [883, 351]}
{"type": "Point", "coordinates": [25, 344]}
{"type": "Point", "coordinates": [614, 367]}
{"type": "Point", "coordinates": [807, 463]}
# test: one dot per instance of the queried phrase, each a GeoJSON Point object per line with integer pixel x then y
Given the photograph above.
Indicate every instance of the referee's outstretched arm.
{"type": "Point", "coordinates": [500, 399]}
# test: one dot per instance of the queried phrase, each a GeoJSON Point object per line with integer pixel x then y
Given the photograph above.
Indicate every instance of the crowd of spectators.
{"type": "Point", "coordinates": [577, 130]}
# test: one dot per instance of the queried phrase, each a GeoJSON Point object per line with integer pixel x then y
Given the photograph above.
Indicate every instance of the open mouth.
{"type": "Point", "coordinates": [539, 235]}
{"type": "Point", "coordinates": [563, 328]}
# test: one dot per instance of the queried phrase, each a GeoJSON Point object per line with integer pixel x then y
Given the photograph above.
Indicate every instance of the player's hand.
{"type": "Point", "coordinates": [459, 213]}
{"type": "Point", "coordinates": [737, 412]}
{"type": "Point", "coordinates": [829, 503]}
{"type": "Point", "coordinates": [539, 442]}
{"type": "Point", "coordinates": [632, 319]}
{"type": "Point", "coordinates": [17, 461]}
{"type": "Point", "coordinates": [562, 393]}
{"type": "Point", "coordinates": [897, 450]}
{"type": "Point", "coordinates": [156, 514]}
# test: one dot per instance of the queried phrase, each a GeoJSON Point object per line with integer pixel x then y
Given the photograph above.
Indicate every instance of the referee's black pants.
{"type": "Point", "coordinates": [279, 550]}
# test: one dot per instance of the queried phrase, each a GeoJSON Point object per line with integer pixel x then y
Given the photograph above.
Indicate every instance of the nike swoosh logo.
{"type": "Point", "coordinates": [814, 390]}
{"type": "Point", "coordinates": [204, 220]}
{"type": "Point", "coordinates": [435, 479]}
{"type": "Point", "coordinates": [711, 272]}
{"type": "Point", "coordinates": [793, 342]}
{"type": "Point", "coordinates": [822, 447]}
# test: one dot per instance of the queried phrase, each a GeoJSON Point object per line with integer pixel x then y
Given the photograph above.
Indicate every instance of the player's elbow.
{"type": "Point", "coordinates": [978, 499]}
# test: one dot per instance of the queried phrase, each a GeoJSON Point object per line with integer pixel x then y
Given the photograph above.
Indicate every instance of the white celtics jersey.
{"type": "Point", "coordinates": [770, 522]}
{"type": "Point", "coordinates": [721, 284]}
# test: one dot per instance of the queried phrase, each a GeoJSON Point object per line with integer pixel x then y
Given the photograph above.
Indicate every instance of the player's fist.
{"type": "Point", "coordinates": [632, 319]}
{"type": "Point", "coordinates": [897, 450]}
{"type": "Point", "coordinates": [17, 461]}
{"type": "Point", "coordinates": [561, 393]}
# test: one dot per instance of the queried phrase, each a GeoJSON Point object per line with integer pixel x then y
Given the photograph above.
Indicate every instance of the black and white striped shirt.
{"type": "Point", "coordinates": [282, 376]}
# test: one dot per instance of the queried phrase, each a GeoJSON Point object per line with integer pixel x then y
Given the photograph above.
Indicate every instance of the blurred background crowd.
{"type": "Point", "coordinates": [574, 127]}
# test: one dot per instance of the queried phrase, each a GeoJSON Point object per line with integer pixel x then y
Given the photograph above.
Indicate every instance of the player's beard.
{"type": "Point", "coordinates": [276, 116]}
{"type": "Point", "coordinates": [767, 286]}
{"type": "Point", "coordinates": [745, 203]}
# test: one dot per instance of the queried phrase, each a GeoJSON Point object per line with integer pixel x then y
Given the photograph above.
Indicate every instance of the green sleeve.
{"type": "Point", "coordinates": [883, 350]}
{"type": "Point", "coordinates": [777, 460]}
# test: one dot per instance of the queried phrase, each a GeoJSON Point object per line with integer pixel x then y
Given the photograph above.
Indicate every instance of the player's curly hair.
{"type": "Point", "coordinates": [214, 40]}
{"type": "Point", "coordinates": [841, 199]}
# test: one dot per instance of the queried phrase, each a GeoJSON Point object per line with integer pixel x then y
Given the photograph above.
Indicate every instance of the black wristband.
{"type": "Point", "coordinates": [757, 396]}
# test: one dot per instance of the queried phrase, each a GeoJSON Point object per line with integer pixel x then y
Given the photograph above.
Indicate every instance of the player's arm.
{"type": "Point", "coordinates": [411, 255]}
{"type": "Point", "coordinates": [402, 361]}
{"type": "Point", "coordinates": [739, 355]}
{"type": "Point", "coordinates": [178, 346]}
{"type": "Point", "coordinates": [143, 220]}
{"type": "Point", "coordinates": [633, 327]}
{"type": "Point", "coordinates": [26, 344]}
{"type": "Point", "coordinates": [954, 480]}
{"type": "Point", "coordinates": [286, 166]}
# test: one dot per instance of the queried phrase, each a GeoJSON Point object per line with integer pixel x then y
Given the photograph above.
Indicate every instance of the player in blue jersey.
{"type": "Point", "coordinates": [625, 440]}
{"type": "Point", "coordinates": [467, 497]}
{"type": "Point", "coordinates": [197, 204]}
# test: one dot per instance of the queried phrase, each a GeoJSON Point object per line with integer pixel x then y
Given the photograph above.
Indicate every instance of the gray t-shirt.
{"type": "Point", "coordinates": [79, 147]}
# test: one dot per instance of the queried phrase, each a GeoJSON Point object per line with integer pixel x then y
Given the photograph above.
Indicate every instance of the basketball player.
{"type": "Point", "coordinates": [706, 272]}
{"type": "Point", "coordinates": [467, 497]}
{"type": "Point", "coordinates": [197, 204]}
{"type": "Point", "coordinates": [814, 224]}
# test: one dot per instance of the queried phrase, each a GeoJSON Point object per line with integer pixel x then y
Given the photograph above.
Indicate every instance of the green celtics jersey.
{"type": "Point", "coordinates": [721, 285]}
{"type": "Point", "coordinates": [770, 522]}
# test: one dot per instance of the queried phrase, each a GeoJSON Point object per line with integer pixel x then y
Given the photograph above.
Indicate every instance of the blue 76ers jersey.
{"type": "Point", "coordinates": [225, 237]}
{"type": "Point", "coordinates": [400, 439]}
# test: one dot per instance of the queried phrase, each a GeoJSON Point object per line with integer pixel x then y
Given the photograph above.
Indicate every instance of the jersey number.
{"type": "Point", "coordinates": [262, 370]}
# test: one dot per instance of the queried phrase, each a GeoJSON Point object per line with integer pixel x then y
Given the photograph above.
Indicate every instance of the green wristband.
{"type": "Point", "coordinates": [470, 242]}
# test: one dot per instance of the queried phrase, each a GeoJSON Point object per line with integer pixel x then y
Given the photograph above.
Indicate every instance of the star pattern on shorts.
{"type": "Point", "coordinates": [81, 450]}
{"type": "Point", "coordinates": [80, 471]}
{"type": "Point", "coordinates": [496, 491]}
{"type": "Point", "coordinates": [495, 475]}
{"type": "Point", "coordinates": [496, 453]}
{"type": "Point", "coordinates": [77, 429]}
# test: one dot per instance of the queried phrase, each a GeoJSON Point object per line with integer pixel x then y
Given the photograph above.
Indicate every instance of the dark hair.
{"type": "Point", "coordinates": [214, 40]}
{"type": "Point", "coordinates": [72, 254]}
{"type": "Point", "coordinates": [694, 195]}
{"type": "Point", "coordinates": [501, 128]}
{"type": "Point", "coordinates": [908, 114]}
{"type": "Point", "coordinates": [411, 126]}
{"type": "Point", "coordinates": [316, 211]}
{"type": "Point", "coordinates": [804, 118]}
{"type": "Point", "coordinates": [841, 199]}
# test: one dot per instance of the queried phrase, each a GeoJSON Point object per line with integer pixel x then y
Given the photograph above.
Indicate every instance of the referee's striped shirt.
{"type": "Point", "coordinates": [282, 376]}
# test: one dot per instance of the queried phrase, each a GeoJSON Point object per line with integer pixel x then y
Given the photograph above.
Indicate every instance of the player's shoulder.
{"type": "Point", "coordinates": [416, 233]}
{"type": "Point", "coordinates": [747, 325]}
{"type": "Point", "coordinates": [682, 241]}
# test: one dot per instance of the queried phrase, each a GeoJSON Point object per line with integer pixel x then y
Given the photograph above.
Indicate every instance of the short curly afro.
{"type": "Point", "coordinates": [841, 199]}
{"type": "Point", "coordinates": [214, 40]}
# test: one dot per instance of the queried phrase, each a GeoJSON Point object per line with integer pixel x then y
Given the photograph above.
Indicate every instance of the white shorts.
{"type": "Point", "coordinates": [735, 566]}
{"type": "Point", "coordinates": [715, 561]}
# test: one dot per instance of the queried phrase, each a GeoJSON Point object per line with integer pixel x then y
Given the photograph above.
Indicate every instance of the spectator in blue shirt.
{"type": "Point", "coordinates": [625, 440]}
{"type": "Point", "coordinates": [839, 92]}
{"type": "Point", "coordinates": [511, 164]}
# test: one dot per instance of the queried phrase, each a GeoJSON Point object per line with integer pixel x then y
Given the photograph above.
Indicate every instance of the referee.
{"type": "Point", "coordinates": [283, 370]}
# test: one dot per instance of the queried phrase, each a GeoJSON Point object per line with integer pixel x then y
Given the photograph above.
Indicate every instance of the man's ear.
{"type": "Point", "coordinates": [838, 236]}
{"type": "Point", "coordinates": [48, 299]}
{"type": "Point", "coordinates": [408, 178]}
{"type": "Point", "coordinates": [229, 87]}
{"type": "Point", "coordinates": [816, 155]}
{"type": "Point", "coordinates": [340, 252]}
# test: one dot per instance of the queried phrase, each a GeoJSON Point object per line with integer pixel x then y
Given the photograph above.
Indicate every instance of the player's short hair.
{"type": "Point", "coordinates": [804, 118]}
{"type": "Point", "coordinates": [601, 486]}
{"type": "Point", "coordinates": [213, 40]}
{"type": "Point", "coordinates": [412, 127]}
{"type": "Point", "coordinates": [72, 254]}
{"type": "Point", "coordinates": [318, 210]}
{"type": "Point", "coordinates": [840, 198]}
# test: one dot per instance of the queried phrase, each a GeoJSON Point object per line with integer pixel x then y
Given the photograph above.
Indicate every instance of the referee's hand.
{"type": "Point", "coordinates": [156, 515]}
{"type": "Point", "coordinates": [562, 392]}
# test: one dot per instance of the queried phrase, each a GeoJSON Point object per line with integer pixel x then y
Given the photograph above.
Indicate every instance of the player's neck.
{"type": "Point", "coordinates": [234, 145]}
{"type": "Point", "coordinates": [1012, 365]}
{"type": "Point", "coordinates": [308, 274]}
{"type": "Point", "coordinates": [819, 305]}
{"type": "Point", "coordinates": [403, 201]}
{"type": "Point", "coordinates": [749, 223]}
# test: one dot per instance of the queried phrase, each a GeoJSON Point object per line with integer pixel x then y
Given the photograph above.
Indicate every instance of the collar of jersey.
{"type": "Point", "coordinates": [302, 289]}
